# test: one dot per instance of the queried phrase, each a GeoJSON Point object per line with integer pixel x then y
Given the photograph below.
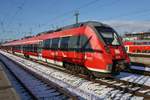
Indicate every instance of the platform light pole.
{"type": "Point", "coordinates": [77, 16]}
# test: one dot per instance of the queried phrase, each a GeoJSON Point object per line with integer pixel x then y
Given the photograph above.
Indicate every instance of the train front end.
{"type": "Point", "coordinates": [114, 48]}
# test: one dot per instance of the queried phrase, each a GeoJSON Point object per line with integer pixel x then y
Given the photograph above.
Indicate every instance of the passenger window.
{"type": "Point", "coordinates": [55, 43]}
{"type": "Point", "coordinates": [85, 43]}
{"type": "Point", "coordinates": [79, 43]}
{"type": "Point", "coordinates": [47, 44]}
{"type": "Point", "coordinates": [35, 47]}
{"type": "Point", "coordinates": [30, 47]}
{"type": "Point", "coordinates": [25, 47]}
{"type": "Point", "coordinates": [64, 43]}
{"type": "Point", "coordinates": [72, 44]}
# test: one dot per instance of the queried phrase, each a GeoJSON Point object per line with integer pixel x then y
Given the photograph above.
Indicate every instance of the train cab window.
{"type": "Point", "coordinates": [73, 43]}
{"type": "Point", "coordinates": [108, 35]}
{"type": "Point", "coordinates": [55, 43]}
{"type": "Point", "coordinates": [64, 43]}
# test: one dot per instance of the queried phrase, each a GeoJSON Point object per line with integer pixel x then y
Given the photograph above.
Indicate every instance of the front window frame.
{"type": "Point", "coordinates": [101, 37]}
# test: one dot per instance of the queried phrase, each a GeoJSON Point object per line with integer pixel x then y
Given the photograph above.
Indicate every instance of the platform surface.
{"type": "Point", "coordinates": [7, 92]}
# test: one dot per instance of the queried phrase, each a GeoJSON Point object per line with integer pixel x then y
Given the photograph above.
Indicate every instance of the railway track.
{"type": "Point", "coordinates": [134, 89]}
{"type": "Point", "coordinates": [140, 64]}
{"type": "Point", "coordinates": [137, 71]}
{"type": "Point", "coordinates": [122, 85]}
{"type": "Point", "coordinates": [23, 93]}
{"type": "Point", "coordinates": [37, 86]}
{"type": "Point", "coordinates": [127, 87]}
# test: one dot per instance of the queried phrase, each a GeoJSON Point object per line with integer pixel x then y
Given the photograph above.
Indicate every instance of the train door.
{"type": "Point", "coordinates": [76, 53]}
{"type": "Point", "coordinates": [86, 50]}
{"type": "Point", "coordinates": [63, 48]}
{"type": "Point", "coordinates": [79, 55]}
{"type": "Point", "coordinates": [72, 54]}
{"type": "Point", "coordinates": [55, 51]}
{"type": "Point", "coordinates": [21, 49]}
{"type": "Point", "coordinates": [39, 50]}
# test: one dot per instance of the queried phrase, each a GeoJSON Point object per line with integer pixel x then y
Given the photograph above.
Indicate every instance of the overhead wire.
{"type": "Point", "coordinates": [12, 18]}
{"type": "Point", "coordinates": [19, 8]}
{"type": "Point", "coordinates": [57, 18]}
{"type": "Point", "coordinates": [72, 11]}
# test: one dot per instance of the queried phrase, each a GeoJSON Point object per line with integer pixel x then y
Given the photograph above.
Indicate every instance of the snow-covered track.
{"type": "Point", "coordinates": [137, 71]}
{"type": "Point", "coordinates": [36, 85]}
{"type": "Point", "coordinates": [122, 85]}
{"type": "Point", "coordinates": [127, 87]}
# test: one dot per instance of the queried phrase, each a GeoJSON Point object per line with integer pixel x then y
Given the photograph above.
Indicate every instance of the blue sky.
{"type": "Point", "coordinates": [20, 18]}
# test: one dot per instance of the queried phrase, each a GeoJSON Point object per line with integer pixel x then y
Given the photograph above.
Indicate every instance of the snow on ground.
{"type": "Point", "coordinates": [140, 68]}
{"type": "Point", "coordinates": [135, 78]}
{"type": "Point", "coordinates": [85, 89]}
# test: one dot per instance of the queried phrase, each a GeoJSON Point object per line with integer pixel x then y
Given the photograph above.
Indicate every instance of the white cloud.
{"type": "Point", "coordinates": [129, 26]}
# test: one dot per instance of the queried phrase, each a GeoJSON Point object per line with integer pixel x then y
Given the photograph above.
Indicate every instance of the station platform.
{"type": "Point", "coordinates": [7, 92]}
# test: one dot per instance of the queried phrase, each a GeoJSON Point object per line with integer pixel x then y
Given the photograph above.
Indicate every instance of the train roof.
{"type": "Point", "coordinates": [32, 40]}
{"type": "Point", "coordinates": [42, 36]}
{"type": "Point", "coordinates": [94, 23]}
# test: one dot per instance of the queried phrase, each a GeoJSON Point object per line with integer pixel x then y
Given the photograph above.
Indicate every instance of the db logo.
{"type": "Point", "coordinates": [117, 51]}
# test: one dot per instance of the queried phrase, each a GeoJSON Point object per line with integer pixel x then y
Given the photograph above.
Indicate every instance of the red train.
{"type": "Point", "coordinates": [140, 47]}
{"type": "Point", "coordinates": [89, 47]}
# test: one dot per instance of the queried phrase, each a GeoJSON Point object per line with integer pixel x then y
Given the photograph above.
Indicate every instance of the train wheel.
{"type": "Point", "coordinates": [78, 69]}
{"type": "Point", "coordinates": [26, 56]}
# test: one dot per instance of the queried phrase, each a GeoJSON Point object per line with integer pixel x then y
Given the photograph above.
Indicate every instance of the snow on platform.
{"type": "Point", "coordinates": [7, 92]}
{"type": "Point", "coordinates": [140, 68]}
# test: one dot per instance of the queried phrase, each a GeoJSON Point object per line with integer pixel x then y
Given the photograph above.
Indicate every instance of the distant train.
{"type": "Point", "coordinates": [89, 48]}
{"type": "Point", "coordinates": [140, 47]}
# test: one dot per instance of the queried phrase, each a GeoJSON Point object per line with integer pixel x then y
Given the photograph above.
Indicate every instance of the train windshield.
{"type": "Point", "coordinates": [108, 35]}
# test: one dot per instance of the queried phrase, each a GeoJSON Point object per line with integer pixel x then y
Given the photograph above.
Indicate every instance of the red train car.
{"type": "Point", "coordinates": [139, 47]}
{"type": "Point", "coordinates": [90, 48]}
